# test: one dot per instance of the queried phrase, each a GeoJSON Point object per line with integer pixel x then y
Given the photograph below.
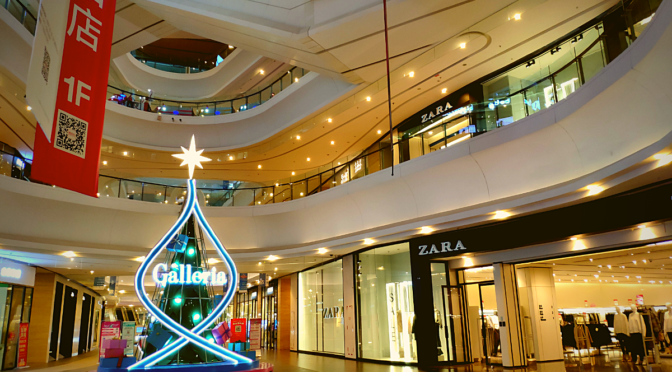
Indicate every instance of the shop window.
{"type": "Point", "coordinates": [385, 295]}
{"type": "Point", "coordinates": [321, 326]}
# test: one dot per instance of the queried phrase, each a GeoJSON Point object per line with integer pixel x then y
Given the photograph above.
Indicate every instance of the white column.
{"type": "Point", "coordinates": [349, 307]}
{"type": "Point", "coordinates": [513, 350]}
{"type": "Point", "coordinates": [540, 312]}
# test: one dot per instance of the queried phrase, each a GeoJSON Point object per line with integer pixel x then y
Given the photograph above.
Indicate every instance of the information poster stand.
{"type": "Point", "coordinates": [108, 331]}
{"type": "Point", "coordinates": [128, 334]}
{"type": "Point", "coordinates": [255, 334]}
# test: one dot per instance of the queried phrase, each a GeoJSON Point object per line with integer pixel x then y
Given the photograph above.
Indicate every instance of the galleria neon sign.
{"type": "Point", "coordinates": [184, 274]}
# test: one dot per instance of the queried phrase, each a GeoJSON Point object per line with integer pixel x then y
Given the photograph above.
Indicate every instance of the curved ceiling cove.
{"type": "Point", "coordinates": [542, 161]}
{"type": "Point", "coordinates": [217, 133]}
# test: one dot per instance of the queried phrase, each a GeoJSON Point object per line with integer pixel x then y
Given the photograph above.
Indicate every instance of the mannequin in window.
{"type": "Point", "coordinates": [667, 326]}
{"type": "Point", "coordinates": [637, 330]}
{"type": "Point", "coordinates": [622, 332]}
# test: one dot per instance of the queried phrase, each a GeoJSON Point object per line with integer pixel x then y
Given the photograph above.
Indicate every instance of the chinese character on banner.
{"type": "Point", "coordinates": [23, 345]}
{"type": "Point", "coordinates": [71, 101]}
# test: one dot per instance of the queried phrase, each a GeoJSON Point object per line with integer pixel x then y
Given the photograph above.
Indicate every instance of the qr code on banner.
{"type": "Point", "coordinates": [45, 65]}
{"type": "Point", "coordinates": [71, 134]}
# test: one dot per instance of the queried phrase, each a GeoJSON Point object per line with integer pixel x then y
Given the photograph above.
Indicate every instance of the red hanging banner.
{"type": "Point", "coordinates": [70, 157]}
{"type": "Point", "coordinates": [23, 345]}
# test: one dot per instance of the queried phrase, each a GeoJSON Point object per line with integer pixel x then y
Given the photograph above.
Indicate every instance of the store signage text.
{"type": "Point", "coordinates": [439, 110]}
{"type": "Point", "coordinates": [331, 312]}
{"type": "Point", "coordinates": [184, 275]}
{"type": "Point", "coordinates": [9, 272]}
{"type": "Point", "coordinates": [445, 247]}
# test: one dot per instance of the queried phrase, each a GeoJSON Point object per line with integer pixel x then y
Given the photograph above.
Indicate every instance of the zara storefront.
{"type": "Point", "coordinates": [486, 294]}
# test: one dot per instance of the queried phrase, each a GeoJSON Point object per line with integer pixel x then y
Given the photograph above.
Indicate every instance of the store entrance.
{"type": "Point", "coordinates": [489, 324]}
{"type": "Point", "coordinates": [455, 325]}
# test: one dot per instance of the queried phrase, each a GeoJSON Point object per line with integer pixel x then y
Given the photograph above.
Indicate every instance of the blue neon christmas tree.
{"type": "Point", "coordinates": [183, 312]}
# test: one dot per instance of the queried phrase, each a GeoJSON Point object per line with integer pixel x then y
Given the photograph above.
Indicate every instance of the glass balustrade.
{"type": "Point", "coordinates": [22, 13]}
{"type": "Point", "coordinates": [132, 99]}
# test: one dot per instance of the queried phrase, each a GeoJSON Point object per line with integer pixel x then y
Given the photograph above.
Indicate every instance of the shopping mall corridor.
{"type": "Point", "coordinates": [286, 361]}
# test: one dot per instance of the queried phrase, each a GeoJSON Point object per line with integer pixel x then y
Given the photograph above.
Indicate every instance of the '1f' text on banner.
{"type": "Point", "coordinates": [73, 37]}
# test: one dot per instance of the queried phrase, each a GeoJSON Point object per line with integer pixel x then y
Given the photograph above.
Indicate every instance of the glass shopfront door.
{"type": "Point", "coordinates": [455, 325]}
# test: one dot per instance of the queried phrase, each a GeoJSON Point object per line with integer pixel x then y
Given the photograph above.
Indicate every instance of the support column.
{"type": "Point", "coordinates": [293, 312]}
{"type": "Point", "coordinates": [284, 312]}
{"type": "Point", "coordinates": [39, 331]}
{"type": "Point", "coordinates": [538, 303]}
{"type": "Point", "coordinates": [349, 307]}
{"type": "Point", "coordinates": [510, 327]}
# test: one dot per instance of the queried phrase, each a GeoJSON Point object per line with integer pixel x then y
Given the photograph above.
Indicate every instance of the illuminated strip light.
{"type": "Point", "coordinates": [467, 136]}
{"type": "Point", "coordinates": [460, 111]}
{"type": "Point", "coordinates": [188, 335]}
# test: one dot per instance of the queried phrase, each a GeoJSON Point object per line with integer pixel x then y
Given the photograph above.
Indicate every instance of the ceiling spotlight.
{"type": "Point", "coordinates": [368, 99]}
{"type": "Point", "coordinates": [444, 90]}
{"type": "Point", "coordinates": [28, 108]}
{"type": "Point", "coordinates": [555, 50]}
{"type": "Point", "coordinates": [501, 215]}
{"type": "Point", "coordinates": [231, 47]}
{"type": "Point", "coordinates": [259, 166]}
{"type": "Point", "coordinates": [332, 142]}
{"type": "Point", "coordinates": [298, 137]}
{"type": "Point", "coordinates": [379, 131]}
{"type": "Point", "coordinates": [530, 63]}
{"type": "Point", "coordinates": [411, 74]}
{"type": "Point", "coordinates": [104, 162]}
{"type": "Point", "coordinates": [261, 72]}
{"type": "Point", "coordinates": [574, 238]}
{"type": "Point", "coordinates": [230, 157]}
{"type": "Point", "coordinates": [69, 254]}
{"type": "Point", "coordinates": [322, 250]}
{"type": "Point", "coordinates": [516, 16]}
{"type": "Point", "coordinates": [594, 189]}
{"type": "Point", "coordinates": [272, 258]}
{"type": "Point", "coordinates": [91, 271]}
{"type": "Point", "coordinates": [463, 45]}
{"type": "Point", "coordinates": [426, 230]}
{"type": "Point", "coordinates": [369, 241]}
{"type": "Point", "coordinates": [329, 120]}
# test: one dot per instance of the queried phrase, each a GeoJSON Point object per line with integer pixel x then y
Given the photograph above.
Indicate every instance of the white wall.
{"type": "Point", "coordinates": [573, 295]}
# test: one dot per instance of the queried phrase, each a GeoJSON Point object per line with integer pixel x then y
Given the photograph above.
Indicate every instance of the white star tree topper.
{"type": "Point", "coordinates": [191, 157]}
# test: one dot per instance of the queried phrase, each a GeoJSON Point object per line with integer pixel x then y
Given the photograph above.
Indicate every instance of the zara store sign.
{"type": "Point", "coordinates": [443, 247]}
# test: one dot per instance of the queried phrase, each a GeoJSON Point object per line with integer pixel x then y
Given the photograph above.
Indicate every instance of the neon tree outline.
{"type": "Point", "coordinates": [190, 207]}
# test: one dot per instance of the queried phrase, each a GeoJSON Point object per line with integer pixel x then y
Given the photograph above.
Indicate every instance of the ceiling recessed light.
{"type": "Point", "coordinates": [332, 142]}
{"type": "Point", "coordinates": [426, 230]}
{"type": "Point", "coordinates": [369, 241]}
{"type": "Point", "coordinates": [501, 215]}
{"type": "Point", "coordinates": [261, 72]}
{"type": "Point", "coordinates": [463, 45]}
{"type": "Point", "coordinates": [293, 173]}
{"type": "Point", "coordinates": [125, 153]}
{"type": "Point", "coordinates": [516, 16]}
{"type": "Point", "coordinates": [230, 157]}
{"type": "Point", "coordinates": [298, 137]}
{"type": "Point", "coordinates": [329, 120]}
{"type": "Point", "coordinates": [307, 159]}
{"type": "Point", "coordinates": [444, 90]}
{"type": "Point", "coordinates": [322, 250]}
{"type": "Point", "coordinates": [259, 166]}
{"type": "Point", "coordinates": [411, 74]}
{"type": "Point", "coordinates": [69, 254]}
{"type": "Point", "coordinates": [368, 99]}
{"type": "Point", "coordinates": [380, 131]}
{"type": "Point", "coordinates": [594, 189]}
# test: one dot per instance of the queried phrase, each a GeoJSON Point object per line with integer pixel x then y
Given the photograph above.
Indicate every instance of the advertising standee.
{"type": "Point", "coordinates": [108, 331]}
{"type": "Point", "coordinates": [255, 334]}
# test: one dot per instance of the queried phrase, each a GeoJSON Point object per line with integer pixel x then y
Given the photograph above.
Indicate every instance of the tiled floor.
{"type": "Point", "coordinates": [286, 361]}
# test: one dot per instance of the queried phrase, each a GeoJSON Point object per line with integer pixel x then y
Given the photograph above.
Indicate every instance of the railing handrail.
{"type": "Point", "coordinates": [26, 10]}
{"type": "Point", "coordinates": [203, 102]}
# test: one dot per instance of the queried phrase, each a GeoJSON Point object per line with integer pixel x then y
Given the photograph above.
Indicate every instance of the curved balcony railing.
{"type": "Point", "coordinates": [22, 14]}
{"type": "Point", "coordinates": [204, 108]}
{"type": "Point", "coordinates": [444, 130]}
